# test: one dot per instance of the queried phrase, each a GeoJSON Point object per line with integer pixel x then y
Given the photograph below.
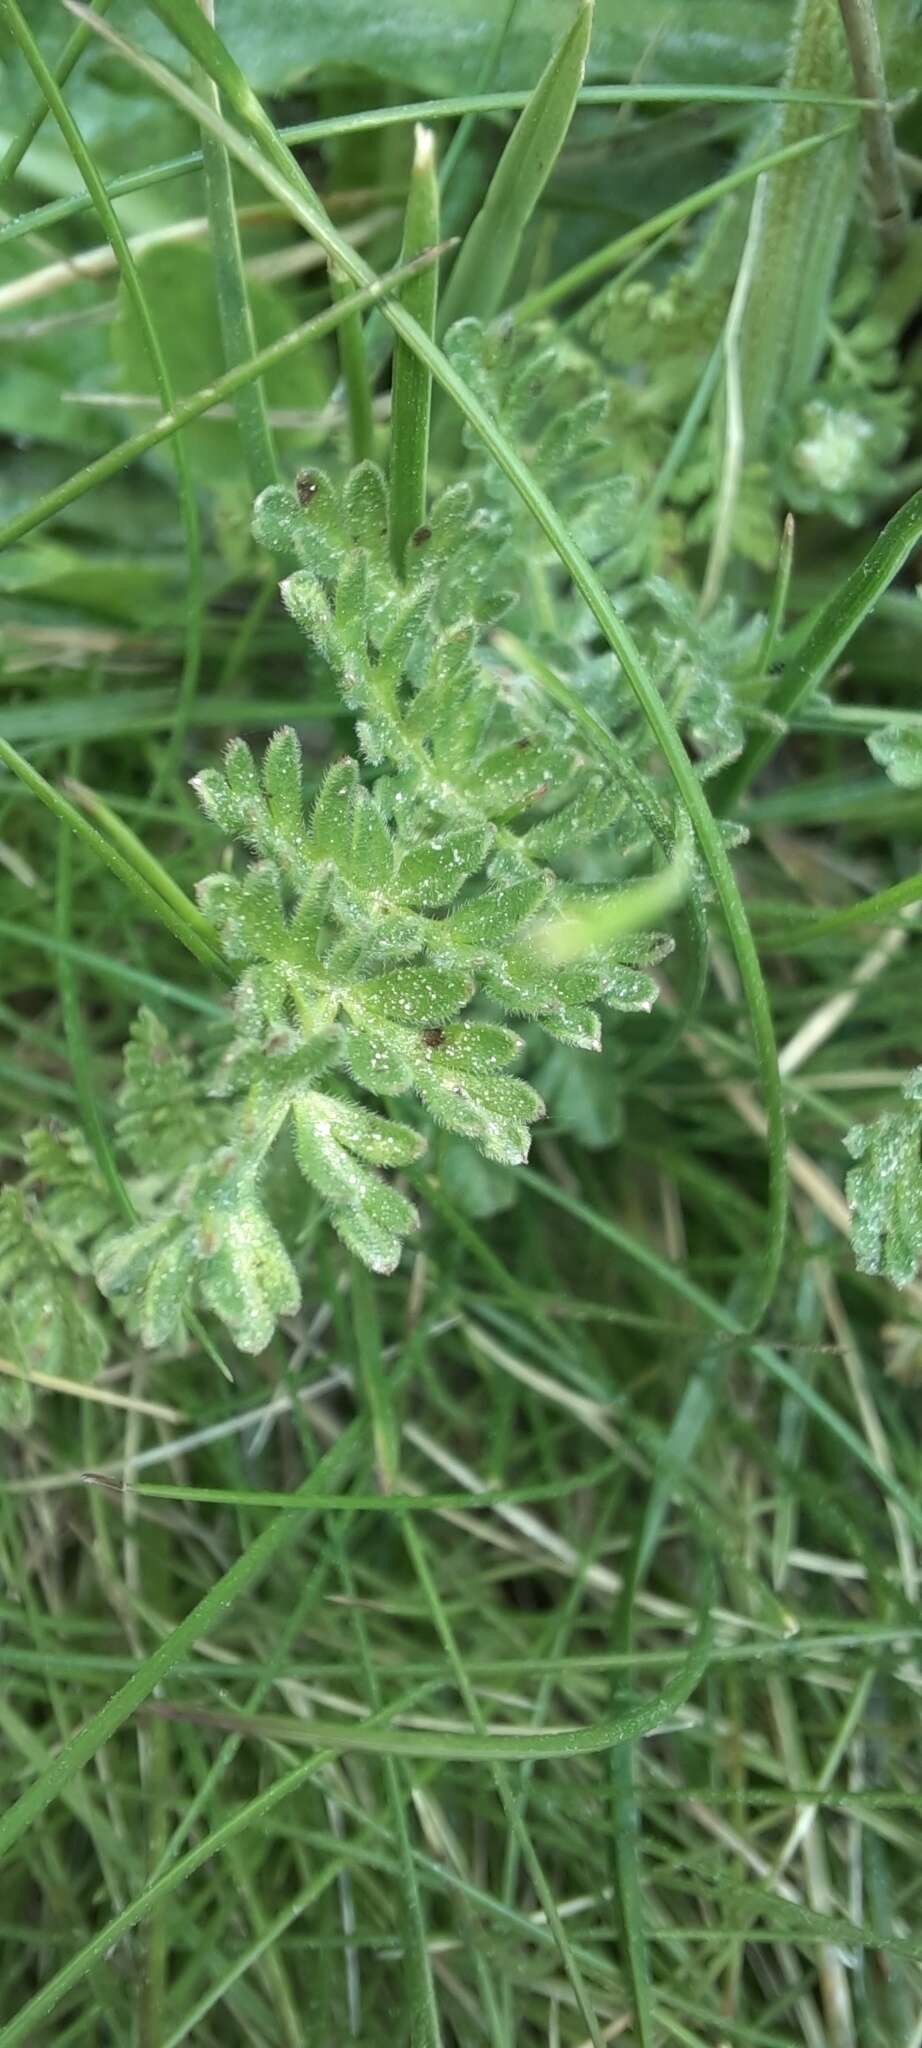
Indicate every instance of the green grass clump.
{"type": "Point", "coordinates": [460, 1310]}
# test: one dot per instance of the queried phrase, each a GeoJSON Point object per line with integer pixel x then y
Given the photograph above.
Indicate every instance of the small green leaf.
{"type": "Point", "coordinates": [376, 1139]}
{"type": "Point", "coordinates": [246, 1276]}
{"type": "Point", "coordinates": [366, 509]}
{"type": "Point", "coordinates": [283, 783]}
{"type": "Point", "coordinates": [306, 522]}
{"type": "Point", "coordinates": [431, 874]}
{"type": "Point", "coordinates": [884, 1191]}
{"type": "Point", "coordinates": [161, 1121]}
{"type": "Point", "coordinates": [332, 1140]}
{"type": "Point", "coordinates": [517, 776]}
{"type": "Point", "coordinates": [64, 1179]}
{"type": "Point", "coordinates": [384, 1068]}
{"type": "Point", "coordinates": [898, 750]}
{"type": "Point", "coordinates": [330, 828]}
{"type": "Point", "coordinates": [249, 914]}
{"type": "Point", "coordinates": [494, 916]}
{"type": "Point", "coordinates": [492, 1109]}
{"type": "Point", "coordinates": [412, 996]}
{"type": "Point", "coordinates": [146, 1273]}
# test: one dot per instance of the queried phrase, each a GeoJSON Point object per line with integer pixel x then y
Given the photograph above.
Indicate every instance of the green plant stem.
{"type": "Point", "coordinates": [140, 858]}
{"type": "Point", "coordinates": [826, 924]}
{"type": "Point", "coordinates": [863, 37]}
{"type": "Point", "coordinates": [75, 1031]}
{"type": "Point", "coordinates": [72, 51]}
{"type": "Point", "coordinates": [85, 162]}
{"type": "Point", "coordinates": [275, 169]}
{"type": "Point", "coordinates": [356, 374]}
{"type": "Point", "coordinates": [412, 381]}
{"type": "Point", "coordinates": [447, 109]}
{"type": "Point", "coordinates": [56, 500]}
{"type": "Point", "coordinates": [839, 620]}
{"type": "Point", "coordinates": [375, 1381]}
{"type": "Point", "coordinates": [779, 598]}
{"type": "Point", "coordinates": [238, 335]}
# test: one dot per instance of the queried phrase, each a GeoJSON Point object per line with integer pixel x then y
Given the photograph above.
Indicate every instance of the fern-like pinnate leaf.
{"type": "Point", "coordinates": [382, 932]}
{"type": "Point", "coordinates": [884, 1190]}
{"type": "Point", "coordinates": [46, 1324]}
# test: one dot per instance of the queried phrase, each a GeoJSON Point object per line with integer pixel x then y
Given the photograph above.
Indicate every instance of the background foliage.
{"type": "Point", "coordinates": [493, 1617]}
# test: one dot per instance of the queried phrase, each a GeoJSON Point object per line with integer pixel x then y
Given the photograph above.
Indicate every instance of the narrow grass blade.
{"type": "Point", "coordinates": [75, 1031]}
{"type": "Point", "coordinates": [183, 926]}
{"type": "Point", "coordinates": [883, 906]}
{"type": "Point", "coordinates": [236, 320]}
{"type": "Point", "coordinates": [450, 108]}
{"type": "Point", "coordinates": [465, 128]}
{"type": "Point", "coordinates": [490, 250]}
{"type": "Point", "coordinates": [839, 620]}
{"type": "Point", "coordinates": [106, 968]}
{"type": "Point", "coordinates": [73, 49]}
{"type": "Point", "coordinates": [863, 36]}
{"type": "Point", "coordinates": [356, 373]}
{"type": "Point", "coordinates": [779, 598]}
{"type": "Point", "coordinates": [804, 221]}
{"type": "Point", "coordinates": [140, 857]}
{"type": "Point", "coordinates": [412, 385]}
{"type": "Point", "coordinates": [376, 1385]}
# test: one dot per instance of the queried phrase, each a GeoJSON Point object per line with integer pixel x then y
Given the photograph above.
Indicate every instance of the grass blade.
{"type": "Point", "coordinates": [356, 374]}
{"type": "Point", "coordinates": [839, 620]}
{"type": "Point", "coordinates": [184, 924]}
{"type": "Point", "coordinates": [382, 1416]}
{"type": "Point", "coordinates": [72, 51]}
{"type": "Point", "coordinates": [236, 320]}
{"type": "Point", "coordinates": [412, 384]}
{"type": "Point", "coordinates": [490, 250]}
